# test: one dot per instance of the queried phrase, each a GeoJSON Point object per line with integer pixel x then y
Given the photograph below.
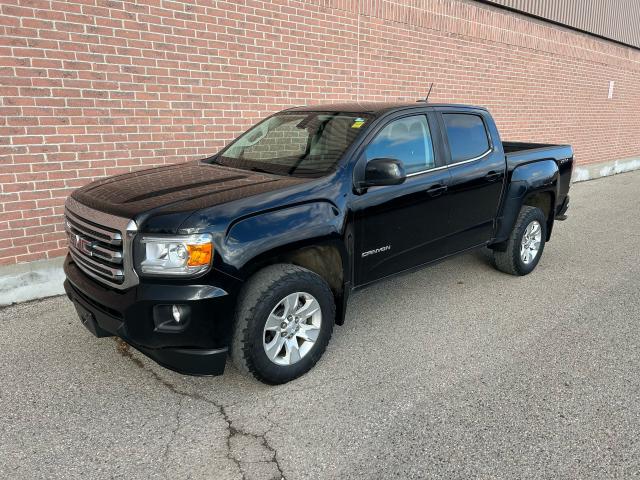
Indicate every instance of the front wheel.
{"type": "Point", "coordinates": [525, 244]}
{"type": "Point", "coordinates": [284, 321]}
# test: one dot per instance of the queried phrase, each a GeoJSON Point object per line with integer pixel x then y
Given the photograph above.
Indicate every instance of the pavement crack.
{"type": "Point", "coordinates": [232, 433]}
{"type": "Point", "coordinates": [174, 432]}
{"type": "Point", "coordinates": [261, 438]}
{"type": "Point", "coordinates": [124, 349]}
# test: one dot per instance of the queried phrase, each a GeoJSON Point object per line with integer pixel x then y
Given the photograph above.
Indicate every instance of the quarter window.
{"type": "Point", "coordinates": [467, 136]}
{"type": "Point", "coordinates": [407, 140]}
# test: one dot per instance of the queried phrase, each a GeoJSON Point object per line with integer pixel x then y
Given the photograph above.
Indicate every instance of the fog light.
{"type": "Point", "coordinates": [171, 318]}
{"type": "Point", "coordinates": [175, 310]}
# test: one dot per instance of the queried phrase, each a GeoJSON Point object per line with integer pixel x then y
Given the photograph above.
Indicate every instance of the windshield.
{"type": "Point", "coordinates": [296, 143]}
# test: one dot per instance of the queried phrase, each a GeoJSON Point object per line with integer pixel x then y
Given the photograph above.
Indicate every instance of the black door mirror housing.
{"type": "Point", "coordinates": [383, 171]}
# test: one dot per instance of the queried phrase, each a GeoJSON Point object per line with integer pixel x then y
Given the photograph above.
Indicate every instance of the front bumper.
{"type": "Point", "coordinates": [199, 347]}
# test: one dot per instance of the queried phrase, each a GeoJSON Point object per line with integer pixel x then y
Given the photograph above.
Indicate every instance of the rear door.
{"type": "Point", "coordinates": [402, 226]}
{"type": "Point", "coordinates": [477, 169]}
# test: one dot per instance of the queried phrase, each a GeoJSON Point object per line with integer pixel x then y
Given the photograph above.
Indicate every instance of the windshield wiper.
{"type": "Point", "coordinates": [261, 170]}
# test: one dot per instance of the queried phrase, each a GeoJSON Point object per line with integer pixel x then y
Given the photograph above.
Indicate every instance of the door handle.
{"type": "Point", "coordinates": [437, 190]}
{"type": "Point", "coordinates": [492, 176]}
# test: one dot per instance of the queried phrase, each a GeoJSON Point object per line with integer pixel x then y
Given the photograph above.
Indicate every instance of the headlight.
{"type": "Point", "coordinates": [176, 255]}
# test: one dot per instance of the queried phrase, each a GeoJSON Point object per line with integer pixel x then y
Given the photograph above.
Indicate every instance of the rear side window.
{"type": "Point", "coordinates": [467, 136]}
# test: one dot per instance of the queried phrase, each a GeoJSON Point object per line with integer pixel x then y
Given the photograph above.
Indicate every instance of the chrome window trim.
{"type": "Point", "coordinates": [127, 229]}
{"type": "Point", "coordinates": [434, 169]}
{"type": "Point", "coordinates": [462, 162]}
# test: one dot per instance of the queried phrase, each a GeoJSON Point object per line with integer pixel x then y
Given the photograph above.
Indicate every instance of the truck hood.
{"type": "Point", "coordinates": [178, 188]}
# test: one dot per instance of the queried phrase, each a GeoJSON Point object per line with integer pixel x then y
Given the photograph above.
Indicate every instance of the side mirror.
{"type": "Point", "coordinates": [383, 171]}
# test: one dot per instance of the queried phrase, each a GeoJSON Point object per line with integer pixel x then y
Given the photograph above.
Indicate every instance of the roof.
{"type": "Point", "coordinates": [375, 108]}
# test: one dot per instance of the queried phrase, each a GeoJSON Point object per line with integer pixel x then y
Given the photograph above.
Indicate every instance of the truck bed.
{"type": "Point", "coordinates": [518, 153]}
{"type": "Point", "coordinates": [522, 153]}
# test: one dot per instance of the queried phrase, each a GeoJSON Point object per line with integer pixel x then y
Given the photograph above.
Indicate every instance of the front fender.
{"type": "Point", "coordinates": [541, 176]}
{"type": "Point", "coordinates": [290, 227]}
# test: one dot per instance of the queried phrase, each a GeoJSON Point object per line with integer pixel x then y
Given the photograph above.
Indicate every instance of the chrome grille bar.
{"type": "Point", "coordinates": [103, 270]}
{"type": "Point", "coordinates": [107, 254]}
{"type": "Point", "coordinates": [100, 244]}
{"type": "Point", "coordinates": [93, 231]}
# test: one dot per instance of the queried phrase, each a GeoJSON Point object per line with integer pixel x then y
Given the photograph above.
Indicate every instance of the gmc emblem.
{"type": "Point", "coordinates": [81, 244]}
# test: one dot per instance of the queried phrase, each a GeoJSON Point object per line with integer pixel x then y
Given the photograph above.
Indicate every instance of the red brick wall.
{"type": "Point", "coordinates": [97, 87]}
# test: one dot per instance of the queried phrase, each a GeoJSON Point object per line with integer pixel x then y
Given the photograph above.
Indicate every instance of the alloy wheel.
{"type": "Point", "coordinates": [530, 244]}
{"type": "Point", "coordinates": [292, 328]}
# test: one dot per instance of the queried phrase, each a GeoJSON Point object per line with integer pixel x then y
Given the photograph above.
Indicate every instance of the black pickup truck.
{"type": "Point", "coordinates": [254, 251]}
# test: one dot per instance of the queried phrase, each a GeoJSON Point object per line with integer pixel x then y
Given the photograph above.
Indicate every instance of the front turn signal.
{"type": "Point", "coordinates": [199, 254]}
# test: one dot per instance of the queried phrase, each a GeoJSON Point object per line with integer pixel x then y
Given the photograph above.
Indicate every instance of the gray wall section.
{"type": "Point", "coordinates": [617, 20]}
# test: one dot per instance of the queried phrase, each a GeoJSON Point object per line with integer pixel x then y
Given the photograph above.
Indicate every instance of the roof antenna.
{"type": "Point", "coordinates": [426, 99]}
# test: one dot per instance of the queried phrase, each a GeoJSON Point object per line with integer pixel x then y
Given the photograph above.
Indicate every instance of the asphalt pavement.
{"type": "Point", "coordinates": [455, 371]}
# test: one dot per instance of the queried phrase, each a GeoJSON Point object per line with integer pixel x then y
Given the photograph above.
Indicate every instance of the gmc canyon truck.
{"type": "Point", "coordinates": [253, 252]}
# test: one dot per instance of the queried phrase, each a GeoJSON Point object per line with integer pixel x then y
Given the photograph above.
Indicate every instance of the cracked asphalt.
{"type": "Point", "coordinates": [455, 371]}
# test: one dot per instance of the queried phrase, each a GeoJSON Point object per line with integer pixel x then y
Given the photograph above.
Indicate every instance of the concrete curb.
{"type": "Point", "coordinates": [44, 278]}
{"type": "Point", "coordinates": [605, 169]}
{"type": "Point", "coordinates": [29, 281]}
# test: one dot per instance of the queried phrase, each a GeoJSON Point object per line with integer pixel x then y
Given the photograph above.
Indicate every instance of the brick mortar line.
{"type": "Point", "coordinates": [360, 13]}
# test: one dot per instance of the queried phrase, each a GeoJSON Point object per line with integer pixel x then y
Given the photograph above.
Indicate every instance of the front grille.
{"type": "Point", "coordinates": [99, 244]}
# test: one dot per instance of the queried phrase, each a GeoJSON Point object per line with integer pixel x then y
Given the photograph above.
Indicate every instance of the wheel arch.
{"type": "Point", "coordinates": [534, 184]}
{"type": "Point", "coordinates": [326, 257]}
{"type": "Point", "coordinates": [545, 201]}
{"type": "Point", "coordinates": [310, 235]}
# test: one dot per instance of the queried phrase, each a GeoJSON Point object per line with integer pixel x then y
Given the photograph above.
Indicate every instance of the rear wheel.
{"type": "Point", "coordinates": [525, 244]}
{"type": "Point", "coordinates": [283, 324]}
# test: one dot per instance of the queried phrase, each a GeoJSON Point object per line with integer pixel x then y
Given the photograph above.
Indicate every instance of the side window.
{"type": "Point", "coordinates": [467, 136]}
{"type": "Point", "coordinates": [408, 140]}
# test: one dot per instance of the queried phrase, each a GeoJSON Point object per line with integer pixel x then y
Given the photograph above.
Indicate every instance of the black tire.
{"type": "Point", "coordinates": [258, 298]}
{"type": "Point", "coordinates": [510, 261]}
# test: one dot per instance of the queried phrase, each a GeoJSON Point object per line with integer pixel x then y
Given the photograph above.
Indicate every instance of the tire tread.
{"type": "Point", "coordinates": [252, 296]}
{"type": "Point", "coordinates": [507, 261]}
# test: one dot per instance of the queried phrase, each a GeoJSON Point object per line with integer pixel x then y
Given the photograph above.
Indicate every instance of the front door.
{"type": "Point", "coordinates": [402, 226]}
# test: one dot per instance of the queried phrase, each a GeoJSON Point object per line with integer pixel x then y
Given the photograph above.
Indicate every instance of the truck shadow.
{"type": "Point", "coordinates": [437, 280]}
